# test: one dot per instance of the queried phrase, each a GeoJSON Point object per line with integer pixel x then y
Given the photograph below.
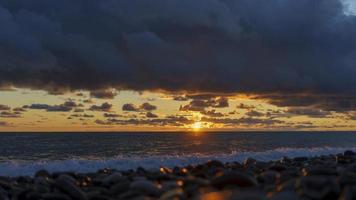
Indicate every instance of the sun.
{"type": "Point", "coordinates": [197, 126]}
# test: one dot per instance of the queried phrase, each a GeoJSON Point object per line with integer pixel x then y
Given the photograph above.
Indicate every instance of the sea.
{"type": "Point", "coordinates": [22, 154]}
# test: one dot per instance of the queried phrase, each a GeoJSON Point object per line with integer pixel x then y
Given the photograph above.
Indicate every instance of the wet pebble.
{"type": "Point", "coordinates": [113, 178]}
{"type": "Point", "coordinates": [319, 187]}
{"type": "Point", "coordinates": [175, 194]}
{"type": "Point", "coordinates": [347, 178]}
{"type": "Point", "coordinates": [42, 173]}
{"type": "Point", "coordinates": [65, 183]}
{"type": "Point", "coordinates": [349, 153]}
{"type": "Point", "coordinates": [349, 193]}
{"type": "Point", "coordinates": [300, 159]}
{"type": "Point", "coordinates": [4, 195]}
{"type": "Point", "coordinates": [234, 179]}
{"type": "Point", "coordinates": [321, 171]}
{"type": "Point", "coordinates": [269, 177]}
{"type": "Point", "coordinates": [145, 187]}
{"type": "Point", "coordinates": [248, 195]}
{"type": "Point", "coordinates": [285, 195]}
{"type": "Point", "coordinates": [120, 187]}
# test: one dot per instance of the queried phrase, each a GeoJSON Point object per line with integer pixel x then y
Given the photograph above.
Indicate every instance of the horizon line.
{"type": "Point", "coordinates": [216, 131]}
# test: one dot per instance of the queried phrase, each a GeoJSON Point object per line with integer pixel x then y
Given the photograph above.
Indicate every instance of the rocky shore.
{"type": "Point", "coordinates": [324, 177]}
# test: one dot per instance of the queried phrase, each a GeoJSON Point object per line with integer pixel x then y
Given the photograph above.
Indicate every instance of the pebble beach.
{"type": "Point", "coordinates": [323, 177]}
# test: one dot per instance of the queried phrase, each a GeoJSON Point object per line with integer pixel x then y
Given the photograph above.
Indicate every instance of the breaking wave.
{"type": "Point", "coordinates": [91, 164]}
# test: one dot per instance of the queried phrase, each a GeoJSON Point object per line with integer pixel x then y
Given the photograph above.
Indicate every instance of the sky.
{"type": "Point", "coordinates": [162, 65]}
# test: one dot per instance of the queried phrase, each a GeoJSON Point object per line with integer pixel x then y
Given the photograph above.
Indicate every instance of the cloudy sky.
{"type": "Point", "coordinates": [111, 65]}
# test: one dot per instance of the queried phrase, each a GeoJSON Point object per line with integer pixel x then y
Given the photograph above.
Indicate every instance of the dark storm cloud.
{"type": "Point", "coordinates": [148, 107]}
{"type": "Point", "coordinates": [8, 114]}
{"type": "Point", "coordinates": [6, 87]}
{"type": "Point", "coordinates": [254, 113]}
{"type": "Point", "coordinates": [4, 107]}
{"type": "Point", "coordinates": [88, 101]}
{"type": "Point", "coordinates": [80, 94]}
{"type": "Point", "coordinates": [195, 105]}
{"type": "Point", "coordinates": [301, 111]}
{"type": "Point", "coordinates": [18, 109]}
{"type": "Point", "coordinates": [242, 121]}
{"type": "Point", "coordinates": [81, 116]}
{"type": "Point", "coordinates": [49, 108]}
{"type": "Point", "coordinates": [111, 115]}
{"type": "Point", "coordinates": [71, 104]}
{"type": "Point", "coordinates": [37, 106]}
{"type": "Point", "coordinates": [171, 120]}
{"type": "Point", "coordinates": [200, 104]}
{"type": "Point", "coordinates": [220, 102]}
{"type": "Point", "coordinates": [2, 123]}
{"type": "Point", "coordinates": [180, 98]}
{"type": "Point", "coordinates": [217, 46]}
{"type": "Point", "coordinates": [310, 112]}
{"type": "Point", "coordinates": [151, 115]}
{"type": "Point", "coordinates": [64, 107]}
{"type": "Point", "coordinates": [59, 108]}
{"type": "Point", "coordinates": [77, 110]}
{"type": "Point", "coordinates": [130, 107]}
{"type": "Point", "coordinates": [143, 107]}
{"type": "Point", "coordinates": [341, 103]}
{"type": "Point", "coordinates": [245, 106]}
{"type": "Point", "coordinates": [103, 94]}
{"type": "Point", "coordinates": [212, 113]}
{"type": "Point", "coordinates": [105, 107]}
{"type": "Point", "coordinates": [351, 116]}
{"type": "Point", "coordinates": [277, 114]}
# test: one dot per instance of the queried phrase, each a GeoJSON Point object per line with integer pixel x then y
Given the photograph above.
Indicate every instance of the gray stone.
{"type": "Point", "coordinates": [291, 184]}
{"type": "Point", "coordinates": [169, 185]}
{"type": "Point", "coordinates": [55, 196]}
{"type": "Point", "coordinates": [349, 193]}
{"type": "Point", "coordinates": [268, 177]}
{"type": "Point", "coordinates": [300, 159]}
{"type": "Point", "coordinates": [65, 183]}
{"type": "Point", "coordinates": [349, 153]}
{"type": "Point", "coordinates": [248, 195]}
{"type": "Point", "coordinates": [249, 161]}
{"type": "Point", "coordinates": [319, 187]}
{"type": "Point", "coordinates": [323, 171]}
{"type": "Point", "coordinates": [4, 184]}
{"type": "Point", "coordinates": [347, 178]}
{"type": "Point", "coordinates": [173, 194]}
{"type": "Point", "coordinates": [96, 195]}
{"type": "Point", "coordinates": [120, 187]}
{"type": "Point", "coordinates": [277, 167]}
{"type": "Point", "coordinates": [234, 179]}
{"type": "Point", "coordinates": [113, 178]}
{"type": "Point", "coordinates": [42, 173]}
{"type": "Point", "coordinates": [4, 195]}
{"type": "Point", "coordinates": [286, 195]}
{"type": "Point", "coordinates": [145, 187]}
{"type": "Point", "coordinates": [214, 163]}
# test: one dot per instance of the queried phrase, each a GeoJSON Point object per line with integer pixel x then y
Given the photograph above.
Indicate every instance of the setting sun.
{"type": "Point", "coordinates": [197, 126]}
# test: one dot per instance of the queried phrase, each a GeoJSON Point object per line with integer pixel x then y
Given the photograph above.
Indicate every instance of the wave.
{"type": "Point", "coordinates": [83, 165]}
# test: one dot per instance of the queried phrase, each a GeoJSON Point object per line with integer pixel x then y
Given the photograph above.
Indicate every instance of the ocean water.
{"type": "Point", "coordinates": [25, 153]}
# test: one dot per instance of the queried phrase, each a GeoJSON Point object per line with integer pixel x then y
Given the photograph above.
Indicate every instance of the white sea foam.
{"type": "Point", "coordinates": [17, 168]}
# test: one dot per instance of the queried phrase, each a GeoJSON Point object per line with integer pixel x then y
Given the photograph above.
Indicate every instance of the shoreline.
{"type": "Point", "coordinates": [20, 167]}
{"type": "Point", "coordinates": [319, 177]}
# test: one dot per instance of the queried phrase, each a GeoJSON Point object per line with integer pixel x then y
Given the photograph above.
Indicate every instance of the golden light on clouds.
{"type": "Point", "coordinates": [39, 111]}
{"type": "Point", "coordinates": [197, 126]}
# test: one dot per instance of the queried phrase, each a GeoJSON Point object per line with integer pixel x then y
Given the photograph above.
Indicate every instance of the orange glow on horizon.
{"type": "Point", "coordinates": [197, 126]}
